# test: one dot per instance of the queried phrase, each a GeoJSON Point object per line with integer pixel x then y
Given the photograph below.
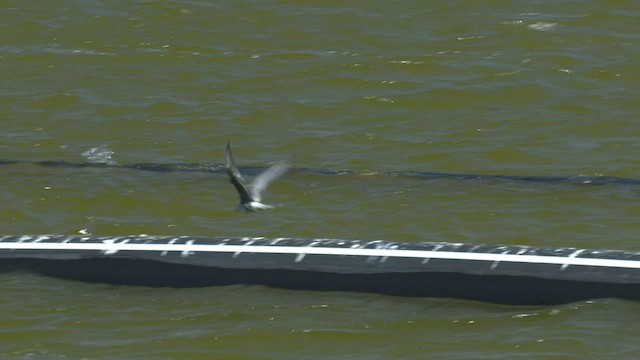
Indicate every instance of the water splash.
{"type": "Point", "coordinates": [542, 26]}
{"type": "Point", "coordinates": [100, 155]}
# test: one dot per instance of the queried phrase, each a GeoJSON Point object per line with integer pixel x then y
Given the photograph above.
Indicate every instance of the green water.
{"type": "Point", "coordinates": [495, 87]}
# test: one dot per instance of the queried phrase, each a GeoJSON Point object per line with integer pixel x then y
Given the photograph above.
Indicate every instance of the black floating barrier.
{"type": "Point", "coordinates": [504, 274]}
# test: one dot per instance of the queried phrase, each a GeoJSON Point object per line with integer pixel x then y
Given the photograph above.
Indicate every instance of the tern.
{"type": "Point", "coordinates": [250, 194]}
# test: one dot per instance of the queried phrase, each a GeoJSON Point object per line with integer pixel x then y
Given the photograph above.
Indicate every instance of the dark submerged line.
{"type": "Point", "coordinates": [252, 171]}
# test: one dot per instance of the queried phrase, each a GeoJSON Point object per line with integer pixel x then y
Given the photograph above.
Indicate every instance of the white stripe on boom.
{"type": "Point", "coordinates": [261, 249]}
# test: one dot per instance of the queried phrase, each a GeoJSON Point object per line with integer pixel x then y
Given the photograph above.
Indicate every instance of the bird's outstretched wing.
{"type": "Point", "coordinates": [235, 177]}
{"type": "Point", "coordinates": [262, 181]}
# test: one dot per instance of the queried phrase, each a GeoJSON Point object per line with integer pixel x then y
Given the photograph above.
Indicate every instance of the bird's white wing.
{"type": "Point", "coordinates": [262, 181]}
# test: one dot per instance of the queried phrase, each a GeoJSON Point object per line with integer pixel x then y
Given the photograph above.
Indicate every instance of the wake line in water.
{"type": "Point", "coordinates": [427, 175]}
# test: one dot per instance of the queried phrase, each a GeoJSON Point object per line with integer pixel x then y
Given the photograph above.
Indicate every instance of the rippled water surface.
{"type": "Point", "coordinates": [491, 87]}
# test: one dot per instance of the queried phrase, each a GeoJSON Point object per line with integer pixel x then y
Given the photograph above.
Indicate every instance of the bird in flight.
{"type": "Point", "coordinates": [250, 194]}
